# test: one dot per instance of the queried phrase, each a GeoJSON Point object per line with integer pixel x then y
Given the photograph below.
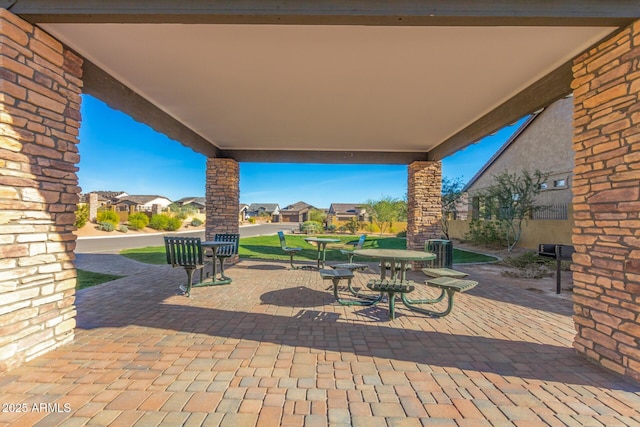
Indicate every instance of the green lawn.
{"type": "Point", "coordinates": [149, 254]}
{"type": "Point", "coordinates": [86, 279]}
{"type": "Point", "coordinates": [268, 247]}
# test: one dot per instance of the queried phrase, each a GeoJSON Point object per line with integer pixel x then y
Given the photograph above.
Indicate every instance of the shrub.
{"type": "Point", "coordinates": [331, 228]}
{"type": "Point", "coordinates": [159, 222]}
{"type": "Point", "coordinates": [106, 226]}
{"type": "Point", "coordinates": [488, 233]}
{"type": "Point", "coordinates": [138, 220]}
{"type": "Point", "coordinates": [173, 224]}
{"type": "Point", "coordinates": [109, 216]}
{"type": "Point", "coordinates": [311, 227]}
{"type": "Point", "coordinates": [353, 225]}
{"type": "Point", "coordinates": [525, 259]}
{"type": "Point", "coordinates": [123, 228]}
{"type": "Point", "coordinates": [529, 265]}
{"type": "Point", "coordinates": [402, 234]}
{"type": "Point", "coordinates": [372, 228]}
{"type": "Point", "coordinates": [252, 220]}
{"type": "Point", "coordinates": [196, 222]}
{"type": "Point", "coordinates": [82, 216]}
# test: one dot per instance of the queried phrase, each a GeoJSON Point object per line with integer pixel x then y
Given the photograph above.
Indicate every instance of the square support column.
{"type": "Point", "coordinates": [40, 86]}
{"type": "Point", "coordinates": [223, 198]}
{"type": "Point", "coordinates": [424, 204]}
{"type": "Point", "coordinates": [606, 202]}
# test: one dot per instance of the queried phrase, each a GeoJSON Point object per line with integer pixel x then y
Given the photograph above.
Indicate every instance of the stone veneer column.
{"type": "Point", "coordinates": [223, 198]}
{"type": "Point", "coordinates": [606, 203]}
{"type": "Point", "coordinates": [93, 206]}
{"type": "Point", "coordinates": [40, 86]}
{"type": "Point", "coordinates": [424, 208]}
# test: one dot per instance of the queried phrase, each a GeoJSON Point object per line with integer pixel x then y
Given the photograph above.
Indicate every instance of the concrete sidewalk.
{"type": "Point", "coordinates": [273, 348]}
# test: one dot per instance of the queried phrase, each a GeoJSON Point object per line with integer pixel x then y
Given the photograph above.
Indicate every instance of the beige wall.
{"type": "Point", "coordinates": [533, 232]}
{"type": "Point", "coordinates": [544, 145]}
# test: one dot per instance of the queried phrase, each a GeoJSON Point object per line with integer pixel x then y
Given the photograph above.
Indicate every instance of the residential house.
{"type": "Point", "coordinates": [270, 211]}
{"type": "Point", "coordinates": [197, 204]}
{"type": "Point", "coordinates": [242, 212]}
{"type": "Point", "coordinates": [142, 203]}
{"type": "Point", "coordinates": [543, 142]}
{"type": "Point", "coordinates": [297, 212]}
{"type": "Point", "coordinates": [346, 211]}
{"type": "Point", "coordinates": [104, 197]}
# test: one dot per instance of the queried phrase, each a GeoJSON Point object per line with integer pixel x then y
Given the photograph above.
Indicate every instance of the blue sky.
{"type": "Point", "coordinates": [120, 154]}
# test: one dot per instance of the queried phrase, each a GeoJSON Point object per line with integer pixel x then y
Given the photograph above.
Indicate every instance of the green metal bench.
{"type": "Point", "coordinates": [185, 252]}
{"type": "Point", "coordinates": [288, 249]}
{"type": "Point", "coordinates": [448, 286]}
{"type": "Point", "coordinates": [391, 288]}
{"type": "Point", "coordinates": [225, 252]}
{"type": "Point", "coordinates": [357, 244]}
{"type": "Point", "coordinates": [444, 272]}
{"type": "Point", "coordinates": [442, 265]}
{"type": "Point", "coordinates": [338, 274]}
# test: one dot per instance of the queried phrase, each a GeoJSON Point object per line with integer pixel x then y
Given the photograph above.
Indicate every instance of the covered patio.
{"type": "Point", "coordinates": [325, 82]}
{"type": "Point", "coordinates": [273, 348]}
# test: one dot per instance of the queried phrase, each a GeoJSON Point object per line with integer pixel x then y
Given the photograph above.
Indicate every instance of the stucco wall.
{"type": "Point", "coordinates": [544, 145]}
{"type": "Point", "coordinates": [533, 232]}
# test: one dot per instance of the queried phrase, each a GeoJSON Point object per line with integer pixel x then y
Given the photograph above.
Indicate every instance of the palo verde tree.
{"type": "Point", "coordinates": [451, 196]}
{"type": "Point", "coordinates": [511, 199]}
{"type": "Point", "coordinates": [386, 210]}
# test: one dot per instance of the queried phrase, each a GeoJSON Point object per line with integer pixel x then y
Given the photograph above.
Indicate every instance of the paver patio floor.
{"type": "Point", "coordinates": [273, 348]}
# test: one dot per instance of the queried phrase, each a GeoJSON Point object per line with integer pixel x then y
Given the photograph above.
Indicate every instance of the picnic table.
{"type": "Point", "coordinates": [399, 285]}
{"type": "Point", "coordinates": [396, 258]}
{"type": "Point", "coordinates": [321, 243]}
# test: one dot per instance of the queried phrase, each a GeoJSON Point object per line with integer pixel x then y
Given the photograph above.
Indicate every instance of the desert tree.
{"type": "Point", "coordinates": [511, 199]}
{"type": "Point", "coordinates": [451, 195]}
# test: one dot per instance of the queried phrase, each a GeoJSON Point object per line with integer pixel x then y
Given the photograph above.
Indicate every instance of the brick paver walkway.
{"type": "Point", "coordinates": [273, 348]}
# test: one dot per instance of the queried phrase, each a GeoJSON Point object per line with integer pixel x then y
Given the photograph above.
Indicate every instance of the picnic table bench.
{"type": "Point", "coordinates": [335, 276]}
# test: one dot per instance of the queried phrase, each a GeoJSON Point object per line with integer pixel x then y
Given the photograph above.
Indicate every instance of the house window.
{"type": "Point", "coordinates": [543, 186]}
{"type": "Point", "coordinates": [558, 183]}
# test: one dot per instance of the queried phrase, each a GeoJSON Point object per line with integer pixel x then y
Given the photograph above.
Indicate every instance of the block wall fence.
{"type": "Point", "coordinates": [40, 87]}
{"type": "Point", "coordinates": [606, 203]}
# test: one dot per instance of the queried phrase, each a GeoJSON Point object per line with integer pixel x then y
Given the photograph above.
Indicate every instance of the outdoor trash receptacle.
{"type": "Point", "coordinates": [443, 250]}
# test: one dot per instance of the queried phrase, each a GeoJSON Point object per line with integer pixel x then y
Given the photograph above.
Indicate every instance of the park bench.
{"type": "Point", "coordinates": [224, 252]}
{"type": "Point", "coordinates": [291, 250]}
{"type": "Point", "coordinates": [185, 252]}
{"type": "Point", "coordinates": [357, 244]}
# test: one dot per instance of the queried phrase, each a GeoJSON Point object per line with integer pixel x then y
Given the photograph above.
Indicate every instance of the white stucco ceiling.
{"type": "Point", "coordinates": [361, 88]}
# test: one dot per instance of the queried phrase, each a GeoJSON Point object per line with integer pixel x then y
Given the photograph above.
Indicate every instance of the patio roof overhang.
{"type": "Point", "coordinates": [327, 81]}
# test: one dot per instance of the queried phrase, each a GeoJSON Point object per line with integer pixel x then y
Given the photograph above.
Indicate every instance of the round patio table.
{"type": "Point", "coordinates": [322, 243]}
{"type": "Point", "coordinates": [397, 259]}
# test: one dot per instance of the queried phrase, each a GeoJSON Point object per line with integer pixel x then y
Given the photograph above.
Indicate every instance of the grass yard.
{"type": "Point", "coordinates": [268, 247]}
{"type": "Point", "coordinates": [86, 279]}
{"type": "Point", "coordinates": [148, 255]}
